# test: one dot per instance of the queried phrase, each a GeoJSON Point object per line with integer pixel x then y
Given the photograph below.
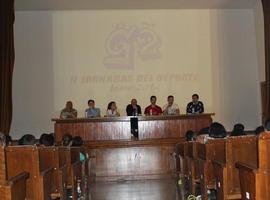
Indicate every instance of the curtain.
{"type": "Point", "coordinates": [6, 63]}
{"type": "Point", "coordinates": [266, 12]}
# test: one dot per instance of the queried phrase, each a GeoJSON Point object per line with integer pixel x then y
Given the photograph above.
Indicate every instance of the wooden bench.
{"type": "Point", "coordinates": [34, 160]}
{"type": "Point", "coordinates": [85, 173]}
{"type": "Point", "coordinates": [205, 152]}
{"type": "Point", "coordinates": [74, 167]}
{"type": "Point", "coordinates": [255, 175]}
{"type": "Point", "coordinates": [226, 153]}
{"type": "Point", "coordinates": [192, 165]}
{"type": "Point", "coordinates": [13, 188]}
{"type": "Point", "coordinates": [181, 153]}
{"type": "Point", "coordinates": [59, 163]}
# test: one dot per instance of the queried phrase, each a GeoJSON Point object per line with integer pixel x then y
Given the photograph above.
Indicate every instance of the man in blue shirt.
{"type": "Point", "coordinates": [92, 111]}
{"type": "Point", "coordinates": [196, 106]}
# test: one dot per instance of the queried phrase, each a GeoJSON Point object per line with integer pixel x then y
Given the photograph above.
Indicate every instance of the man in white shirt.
{"type": "Point", "coordinates": [171, 108]}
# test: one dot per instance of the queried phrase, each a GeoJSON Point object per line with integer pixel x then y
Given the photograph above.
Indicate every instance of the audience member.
{"type": "Point", "coordinates": [259, 130]}
{"type": "Point", "coordinates": [190, 135]}
{"type": "Point", "coordinates": [2, 139]}
{"type": "Point", "coordinates": [46, 140]}
{"type": "Point", "coordinates": [8, 140]}
{"type": "Point", "coordinates": [27, 139]}
{"type": "Point", "coordinates": [78, 142]}
{"type": "Point", "coordinates": [217, 130]}
{"type": "Point", "coordinates": [238, 130]}
{"type": "Point", "coordinates": [67, 140]}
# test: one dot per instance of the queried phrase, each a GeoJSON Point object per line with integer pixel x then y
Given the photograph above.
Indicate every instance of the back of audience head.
{"type": "Point", "coordinates": [238, 130]}
{"type": "Point", "coordinates": [267, 125]}
{"type": "Point", "coordinates": [67, 140]}
{"type": "Point", "coordinates": [203, 131]}
{"type": "Point", "coordinates": [259, 130]}
{"type": "Point", "coordinates": [190, 135]}
{"type": "Point", "coordinates": [2, 139]}
{"type": "Point", "coordinates": [46, 140]}
{"type": "Point", "coordinates": [77, 141]}
{"type": "Point", "coordinates": [217, 130]}
{"type": "Point", "coordinates": [8, 140]}
{"type": "Point", "coordinates": [27, 139]}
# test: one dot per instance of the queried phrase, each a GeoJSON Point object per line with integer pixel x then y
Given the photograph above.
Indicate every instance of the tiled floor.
{"type": "Point", "coordinates": [165, 189]}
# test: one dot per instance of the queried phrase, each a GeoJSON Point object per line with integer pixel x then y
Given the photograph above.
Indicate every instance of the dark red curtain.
{"type": "Point", "coordinates": [6, 63]}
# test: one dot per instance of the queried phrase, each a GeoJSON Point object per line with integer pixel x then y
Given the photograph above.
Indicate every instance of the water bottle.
{"type": "Point", "coordinates": [135, 112]}
{"type": "Point", "coordinates": [151, 112]}
{"type": "Point", "coordinates": [193, 110]}
{"type": "Point", "coordinates": [79, 191]}
{"type": "Point", "coordinates": [86, 114]}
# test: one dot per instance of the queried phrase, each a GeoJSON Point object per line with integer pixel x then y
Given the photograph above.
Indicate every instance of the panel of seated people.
{"type": "Point", "coordinates": [255, 175]}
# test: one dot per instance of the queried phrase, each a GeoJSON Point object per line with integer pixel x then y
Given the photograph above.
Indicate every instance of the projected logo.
{"type": "Point", "coordinates": [125, 43]}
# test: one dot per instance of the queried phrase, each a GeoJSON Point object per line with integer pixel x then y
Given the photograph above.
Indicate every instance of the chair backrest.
{"type": "Point", "coordinates": [264, 152]}
{"type": "Point", "coordinates": [3, 173]}
{"type": "Point", "coordinates": [239, 149]}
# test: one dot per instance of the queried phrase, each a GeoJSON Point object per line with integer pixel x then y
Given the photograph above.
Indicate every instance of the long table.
{"type": "Point", "coordinates": [116, 155]}
{"type": "Point", "coordinates": [118, 128]}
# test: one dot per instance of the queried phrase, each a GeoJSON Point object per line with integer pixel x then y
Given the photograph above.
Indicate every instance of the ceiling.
{"type": "Point", "coordinates": [131, 4]}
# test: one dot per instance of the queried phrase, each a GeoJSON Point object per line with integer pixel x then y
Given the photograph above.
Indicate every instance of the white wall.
{"type": "Point", "coordinates": [259, 27]}
{"type": "Point", "coordinates": [227, 45]}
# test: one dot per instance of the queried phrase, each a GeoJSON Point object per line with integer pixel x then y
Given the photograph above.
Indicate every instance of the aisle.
{"type": "Point", "coordinates": [165, 189]}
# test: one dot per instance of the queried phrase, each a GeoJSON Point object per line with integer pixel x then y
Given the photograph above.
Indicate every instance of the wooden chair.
{"type": "Point", "coordinates": [205, 153]}
{"type": "Point", "coordinates": [85, 173]}
{"type": "Point", "coordinates": [226, 153]}
{"type": "Point", "coordinates": [37, 163]}
{"type": "Point", "coordinates": [255, 175]}
{"type": "Point", "coordinates": [192, 165]}
{"type": "Point", "coordinates": [74, 167]}
{"type": "Point", "coordinates": [59, 163]}
{"type": "Point", "coordinates": [13, 188]}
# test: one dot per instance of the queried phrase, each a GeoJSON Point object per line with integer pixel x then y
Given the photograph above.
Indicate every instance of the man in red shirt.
{"type": "Point", "coordinates": [153, 109]}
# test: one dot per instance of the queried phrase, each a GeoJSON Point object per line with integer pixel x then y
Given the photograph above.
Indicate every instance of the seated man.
{"type": "Point", "coordinates": [171, 108]}
{"type": "Point", "coordinates": [92, 111]}
{"type": "Point", "coordinates": [153, 109]}
{"type": "Point", "coordinates": [133, 109]}
{"type": "Point", "coordinates": [196, 106]}
{"type": "Point", "coordinates": [68, 111]}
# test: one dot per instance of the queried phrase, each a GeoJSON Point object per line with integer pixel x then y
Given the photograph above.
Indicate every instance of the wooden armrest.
{"type": "Point", "coordinates": [63, 167]}
{"type": "Point", "coordinates": [245, 166]}
{"type": "Point", "coordinates": [46, 171]}
{"type": "Point", "coordinates": [219, 163]}
{"type": "Point", "coordinates": [19, 177]}
{"type": "Point", "coordinates": [76, 163]}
